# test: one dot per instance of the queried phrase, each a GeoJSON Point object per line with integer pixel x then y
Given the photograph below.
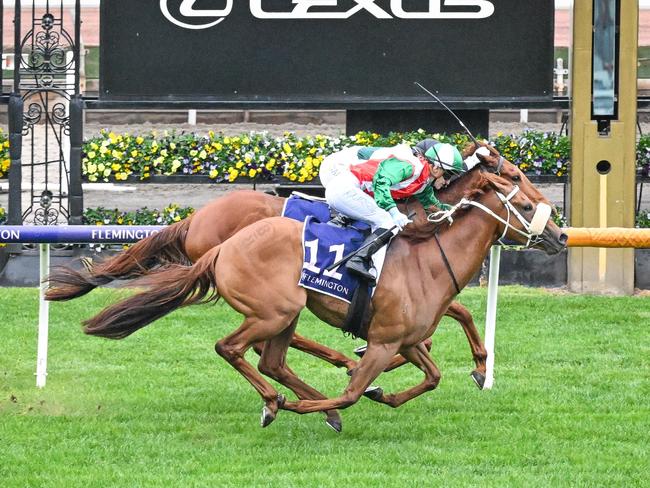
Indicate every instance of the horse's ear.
{"type": "Point", "coordinates": [499, 184]}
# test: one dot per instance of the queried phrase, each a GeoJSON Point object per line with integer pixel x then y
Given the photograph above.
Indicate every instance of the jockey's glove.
{"type": "Point", "coordinates": [399, 219]}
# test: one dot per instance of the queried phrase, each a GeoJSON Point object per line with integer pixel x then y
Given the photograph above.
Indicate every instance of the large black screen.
{"type": "Point", "coordinates": [153, 50]}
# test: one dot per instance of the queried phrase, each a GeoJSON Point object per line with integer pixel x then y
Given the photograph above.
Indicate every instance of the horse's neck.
{"type": "Point", "coordinates": [465, 244]}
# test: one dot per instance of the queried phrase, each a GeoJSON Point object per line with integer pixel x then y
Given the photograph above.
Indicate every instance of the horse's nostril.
{"type": "Point", "coordinates": [563, 239]}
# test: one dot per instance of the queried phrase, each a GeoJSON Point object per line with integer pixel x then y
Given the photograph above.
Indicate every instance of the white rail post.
{"type": "Point", "coordinates": [491, 314]}
{"type": "Point", "coordinates": [43, 317]}
{"type": "Point", "coordinates": [191, 117]}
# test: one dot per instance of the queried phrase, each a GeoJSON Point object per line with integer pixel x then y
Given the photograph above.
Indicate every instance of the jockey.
{"type": "Point", "coordinates": [363, 183]}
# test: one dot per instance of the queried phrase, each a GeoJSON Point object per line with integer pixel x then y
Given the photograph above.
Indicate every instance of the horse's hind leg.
{"type": "Point", "coordinates": [316, 349]}
{"type": "Point", "coordinates": [274, 365]}
{"type": "Point", "coordinates": [323, 352]}
{"type": "Point", "coordinates": [464, 317]}
{"type": "Point", "coordinates": [233, 347]}
{"type": "Point", "coordinates": [376, 358]}
{"type": "Point", "coordinates": [419, 356]}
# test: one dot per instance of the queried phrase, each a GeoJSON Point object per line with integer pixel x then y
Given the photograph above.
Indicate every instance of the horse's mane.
{"type": "Point", "coordinates": [421, 229]}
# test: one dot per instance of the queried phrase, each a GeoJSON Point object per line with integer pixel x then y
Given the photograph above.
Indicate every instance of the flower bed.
{"type": "Point", "coordinates": [144, 216]}
{"type": "Point", "coordinates": [5, 159]}
{"type": "Point", "coordinates": [3, 216]}
{"type": "Point", "coordinates": [260, 157]}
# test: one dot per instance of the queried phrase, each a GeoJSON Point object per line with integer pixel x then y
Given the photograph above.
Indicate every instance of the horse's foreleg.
{"type": "Point", "coordinates": [419, 356]}
{"type": "Point", "coordinates": [273, 363]}
{"type": "Point", "coordinates": [464, 317]}
{"type": "Point", "coordinates": [322, 352]}
{"type": "Point", "coordinates": [376, 358]}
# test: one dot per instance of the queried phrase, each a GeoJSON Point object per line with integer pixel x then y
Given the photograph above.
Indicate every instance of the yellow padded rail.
{"type": "Point", "coordinates": [615, 237]}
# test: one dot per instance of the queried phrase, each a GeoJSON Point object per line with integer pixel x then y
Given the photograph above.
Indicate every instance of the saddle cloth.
{"type": "Point", "coordinates": [324, 244]}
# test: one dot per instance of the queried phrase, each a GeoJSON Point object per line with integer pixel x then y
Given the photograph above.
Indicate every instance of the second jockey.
{"type": "Point", "coordinates": [363, 183]}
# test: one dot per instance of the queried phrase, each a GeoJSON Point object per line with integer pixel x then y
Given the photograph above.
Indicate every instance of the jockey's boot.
{"type": "Point", "coordinates": [361, 263]}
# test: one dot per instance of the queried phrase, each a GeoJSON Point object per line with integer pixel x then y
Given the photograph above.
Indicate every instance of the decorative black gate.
{"type": "Point", "coordinates": [45, 117]}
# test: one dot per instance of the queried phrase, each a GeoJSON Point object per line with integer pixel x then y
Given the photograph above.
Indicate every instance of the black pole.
{"type": "Point", "coordinates": [15, 113]}
{"type": "Point", "coordinates": [75, 195]}
{"type": "Point", "coordinates": [15, 216]}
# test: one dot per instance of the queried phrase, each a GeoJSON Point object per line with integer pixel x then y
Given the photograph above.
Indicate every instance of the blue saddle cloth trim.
{"type": "Point", "coordinates": [299, 209]}
{"type": "Point", "coordinates": [330, 243]}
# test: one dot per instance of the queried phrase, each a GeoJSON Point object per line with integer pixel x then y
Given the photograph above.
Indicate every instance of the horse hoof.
{"type": "Point", "coordinates": [479, 379]}
{"type": "Point", "coordinates": [374, 393]}
{"type": "Point", "coordinates": [267, 417]}
{"type": "Point", "coordinates": [361, 350]}
{"type": "Point", "coordinates": [335, 424]}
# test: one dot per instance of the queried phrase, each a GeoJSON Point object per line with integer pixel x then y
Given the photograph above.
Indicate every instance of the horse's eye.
{"type": "Point", "coordinates": [516, 178]}
{"type": "Point", "coordinates": [528, 208]}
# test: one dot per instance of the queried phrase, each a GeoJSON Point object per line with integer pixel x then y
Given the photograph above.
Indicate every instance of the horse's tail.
{"type": "Point", "coordinates": [162, 248]}
{"type": "Point", "coordinates": [172, 287]}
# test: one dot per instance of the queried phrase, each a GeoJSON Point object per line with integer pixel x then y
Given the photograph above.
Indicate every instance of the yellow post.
{"type": "Point", "coordinates": [602, 186]}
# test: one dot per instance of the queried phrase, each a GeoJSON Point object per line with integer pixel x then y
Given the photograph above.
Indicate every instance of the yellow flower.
{"type": "Point", "coordinates": [163, 153]}
{"type": "Point", "coordinates": [103, 150]}
{"type": "Point", "coordinates": [293, 177]}
{"type": "Point", "coordinates": [239, 165]}
{"type": "Point", "coordinates": [139, 140]}
{"type": "Point", "coordinates": [92, 178]}
{"type": "Point", "coordinates": [246, 140]}
{"type": "Point", "coordinates": [286, 148]}
{"type": "Point", "coordinates": [116, 154]}
{"type": "Point", "coordinates": [92, 154]}
{"type": "Point", "coordinates": [177, 218]}
{"type": "Point", "coordinates": [214, 173]}
{"type": "Point", "coordinates": [134, 153]}
{"type": "Point", "coordinates": [269, 165]}
{"type": "Point", "coordinates": [172, 146]}
{"type": "Point", "coordinates": [101, 167]}
{"type": "Point", "coordinates": [112, 137]}
{"type": "Point", "coordinates": [115, 167]}
{"type": "Point", "coordinates": [203, 154]}
{"type": "Point", "coordinates": [252, 173]}
{"type": "Point", "coordinates": [107, 172]}
{"type": "Point", "coordinates": [193, 152]}
{"type": "Point", "coordinates": [226, 140]}
{"type": "Point", "coordinates": [175, 165]}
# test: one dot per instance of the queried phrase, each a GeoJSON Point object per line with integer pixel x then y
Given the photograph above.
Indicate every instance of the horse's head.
{"type": "Point", "coordinates": [523, 220]}
{"type": "Point", "coordinates": [501, 166]}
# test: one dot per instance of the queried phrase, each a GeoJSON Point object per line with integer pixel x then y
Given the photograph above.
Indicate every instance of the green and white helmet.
{"type": "Point", "coordinates": [441, 154]}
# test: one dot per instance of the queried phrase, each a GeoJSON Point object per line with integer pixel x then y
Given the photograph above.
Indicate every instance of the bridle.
{"type": "Point", "coordinates": [532, 230]}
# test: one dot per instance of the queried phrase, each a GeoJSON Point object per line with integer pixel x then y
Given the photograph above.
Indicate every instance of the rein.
{"type": "Point", "coordinates": [447, 263]}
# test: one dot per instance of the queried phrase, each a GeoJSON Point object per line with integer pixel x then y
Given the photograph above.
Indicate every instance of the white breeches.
{"type": "Point", "coordinates": [343, 193]}
{"type": "Point", "coordinates": [338, 163]}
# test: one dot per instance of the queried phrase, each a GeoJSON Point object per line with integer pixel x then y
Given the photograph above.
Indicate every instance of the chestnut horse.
{"type": "Point", "coordinates": [415, 290]}
{"type": "Point", "coordinates": [190, 239]}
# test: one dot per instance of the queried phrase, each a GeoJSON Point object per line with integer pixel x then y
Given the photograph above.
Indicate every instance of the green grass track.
{"type": "Point", "coordinates": [570, 407]}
